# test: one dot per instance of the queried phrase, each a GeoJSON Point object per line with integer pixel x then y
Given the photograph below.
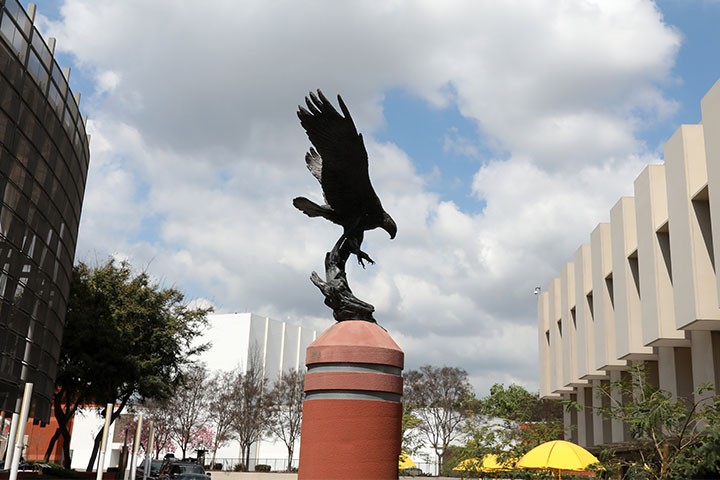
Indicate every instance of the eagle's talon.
{"type": "Point", "coordinates": [363, 257]}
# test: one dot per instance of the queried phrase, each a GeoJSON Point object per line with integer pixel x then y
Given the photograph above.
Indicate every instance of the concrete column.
{"type": "Point", "coordinates": [618, 427]}
{"type": "Point", "coordinates": [602, 428]}
{"type": "Point", "coordinates": [704, 362]}
{"type": "Point", "coordinates": [585, 417]}
{"type": "Point", "coordinates": [675, 373]}
{"type": "Point", "coordinates": [570, 419]}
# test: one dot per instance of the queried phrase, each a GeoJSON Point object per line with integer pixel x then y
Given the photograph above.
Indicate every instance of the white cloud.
{"type": "Point", "coordinates": [107, 82]}
{"type": "Point", "coordinates": [197, 153]}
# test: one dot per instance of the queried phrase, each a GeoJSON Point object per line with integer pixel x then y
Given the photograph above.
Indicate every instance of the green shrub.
{"type": "Point", "coordinates": [52, 470]}
{"type": "Point", "coordinates": [262, 468]}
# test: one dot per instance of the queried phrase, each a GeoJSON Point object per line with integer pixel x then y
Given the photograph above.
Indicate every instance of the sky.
{"type": "Point", "coordinates": [499, 134]}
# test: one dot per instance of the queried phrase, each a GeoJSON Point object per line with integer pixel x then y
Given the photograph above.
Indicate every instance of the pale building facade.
{"type": "Point", "coordinates": [645, 288]}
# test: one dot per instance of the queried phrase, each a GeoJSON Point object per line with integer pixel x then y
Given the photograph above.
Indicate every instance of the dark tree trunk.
{"type": "Point", "coordinates": [245, 455]}
{"type": "Point", "coordinates": [64, 409]}
{"type": "Point", "coordinates": [51, 445]}
{"type": "Point", "coordinates": [96, 447]}
{"type": "Point", "coordinates": [67, 460]}
{"type": "Point", "coordinates": [98, 437]}
{"type": "Point", "coordinates": [290, 458]}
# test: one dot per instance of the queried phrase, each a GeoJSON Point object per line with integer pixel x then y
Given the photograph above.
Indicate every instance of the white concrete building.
{"type": "Point", "coordinates": [644, 289]}
{"type": "Point", "coordinates": [233, 337]}
{"type": "Point", "coordinates": [281, 347]}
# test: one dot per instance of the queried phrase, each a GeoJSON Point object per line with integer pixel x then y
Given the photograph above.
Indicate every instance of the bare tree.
{"type": "Point", "coordinates": [251, 404]}
{"type": "Point", "coordinates": [162, 419]}
{"type": "Point", "coordinates": [438, 398]}
{"type": "Point", "coordinates": [188, 408]}
{"type": "Point", "coordinates": [221, 408]}
{"type": "Point", "coordinates": [286, 399]}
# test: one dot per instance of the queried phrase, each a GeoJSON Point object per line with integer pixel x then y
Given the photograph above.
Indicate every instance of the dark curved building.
{"type": "Point", "coordinates": [44, 159]}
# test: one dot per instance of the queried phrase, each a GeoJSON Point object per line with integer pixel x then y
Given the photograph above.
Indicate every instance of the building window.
{"type": "Point", "coordinates": [663, 238]}
{"type": "Point", "coordinates": [635, 270]}
{"type": "Point", "coordinates": [701, 206]}
{"type": "Point", "coordinates": [610, 289]}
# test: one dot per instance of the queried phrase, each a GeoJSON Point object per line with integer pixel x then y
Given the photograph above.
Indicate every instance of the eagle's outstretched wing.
{"type": "Point", "coordinates": [339, 161]}
{"type": "Point", "coordinates": [343, 172]}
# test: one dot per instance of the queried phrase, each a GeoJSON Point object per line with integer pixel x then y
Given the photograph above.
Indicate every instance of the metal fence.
{"type": "Point", "coordinates": [422, 469]}
{"type": "Point", "coordinates": [236, 464]}
{"type": "Point", "coordinates": [280, 465]}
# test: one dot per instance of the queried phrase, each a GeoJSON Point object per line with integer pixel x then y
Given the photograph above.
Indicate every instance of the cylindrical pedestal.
{"type": "Point", "coordinates": [352, 411]}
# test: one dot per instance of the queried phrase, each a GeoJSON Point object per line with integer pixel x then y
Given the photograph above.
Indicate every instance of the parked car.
{"type": "Point", "coordinates": [154, 469]}
{"type": "Point", "coordinates": [182, 471]}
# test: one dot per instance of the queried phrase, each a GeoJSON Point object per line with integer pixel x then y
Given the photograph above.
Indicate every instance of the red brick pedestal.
{"type": "Point", "coordinates": [352, 411]}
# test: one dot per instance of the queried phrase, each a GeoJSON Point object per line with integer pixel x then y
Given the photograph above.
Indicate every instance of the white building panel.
{"type": "Point", "coordinates": [710, 105]}
{"type": "Point", "coordinates": [626, 282]}
{"type": "Point", "coordinates": [585, 334]}
{"type": "Point", "coordinates": [603, 301]}
{"type": "Point", "coordinates": [556, 334]}
{"type": "Point", "coordinates": [569, 327]}
{"type": "Point", "coordinates": [546, 364]}
{"type": "Point", "coordinates": [694, 285]}
{"type": "Point", "coordinates": [656, 289]}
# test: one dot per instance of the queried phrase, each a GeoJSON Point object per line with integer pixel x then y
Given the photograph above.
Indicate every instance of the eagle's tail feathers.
{"type": "Point", "coordinates": [312, 209]}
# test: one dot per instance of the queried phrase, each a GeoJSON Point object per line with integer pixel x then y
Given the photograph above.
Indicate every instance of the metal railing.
{"type": "Point", "coordinates": [232, 464]}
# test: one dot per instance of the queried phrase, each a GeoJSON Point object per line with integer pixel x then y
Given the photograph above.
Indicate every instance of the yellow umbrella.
{"type": "Point", "coordinates": [489, 463]}
{"type": "Point", "coordinates": [558, 455]}
{"type": "Point", "coordinates": [469, 465]}
{"type": "Point", "coordinates": [405, 461]}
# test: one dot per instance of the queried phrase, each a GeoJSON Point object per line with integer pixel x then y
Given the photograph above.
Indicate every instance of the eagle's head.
{"type": "Point", "coordinates": [389, 225]}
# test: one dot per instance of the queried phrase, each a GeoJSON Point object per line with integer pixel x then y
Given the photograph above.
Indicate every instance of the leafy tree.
{"type": "Point", "coordinates": [678, 438]}
{"type": "Point", "coordinates": [411, 441]}
{"type": "Point", "coordinates": [125, 338]}
{"type": "Point", "coordinates": [516, 404]}
{"type": "Point", "coordinates": [251, 406]}
{"type": "Point", "coordinates": [440, 399]}
{"type": "Point", "coordinates": [221, 408]}
{"type": "Point", "coordinates": [79, 368]}
{"type": "Point", "coordinates": [510, 422]}
{"type": "Point", "coordinates": [286, 400]}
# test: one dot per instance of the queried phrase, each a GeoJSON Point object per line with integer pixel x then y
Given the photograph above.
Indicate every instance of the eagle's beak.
{"type": "Point", "coordinates": [389, 226]}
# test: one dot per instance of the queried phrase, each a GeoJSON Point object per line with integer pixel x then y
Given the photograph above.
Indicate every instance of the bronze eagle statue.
{"type": "Point", "coordinates": [339, 161]}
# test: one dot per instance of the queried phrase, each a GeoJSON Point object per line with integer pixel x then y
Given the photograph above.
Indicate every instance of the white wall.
{"type": "Point", "coordinates": [231, 336]}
